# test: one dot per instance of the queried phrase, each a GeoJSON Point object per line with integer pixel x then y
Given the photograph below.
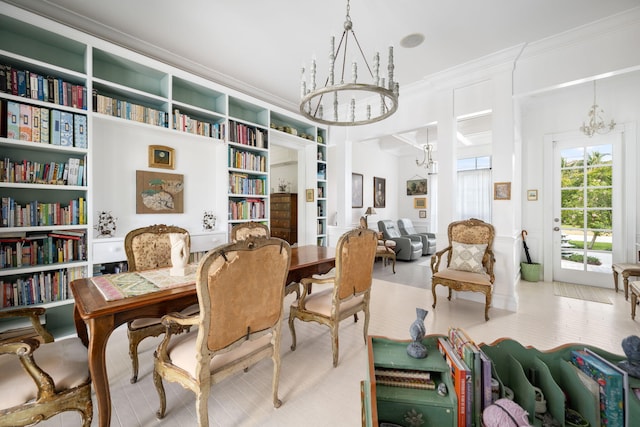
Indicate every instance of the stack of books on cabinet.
{"type": "Point", "coordinates": [572, 383]}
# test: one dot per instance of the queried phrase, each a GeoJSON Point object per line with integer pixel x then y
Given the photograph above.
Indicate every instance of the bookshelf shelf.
{"type": "Point", "coordinates": [123, 72]}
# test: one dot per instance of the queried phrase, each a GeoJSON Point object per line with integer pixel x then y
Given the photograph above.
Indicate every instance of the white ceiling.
{"type": "Point", "coordinates": [259, 46]}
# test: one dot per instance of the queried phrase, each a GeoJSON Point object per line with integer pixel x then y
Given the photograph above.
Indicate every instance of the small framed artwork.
{"type": "Point", "coordinates": [502, 191]}
{"type": "Point", "coordinates": [422, 213]}
{"type": "Point", "coordinates": [309, 194]}
{"type": "Point", "coordinates": [420, 203]}
{"type": "Point", "coordinates": [161, 156]}
{"type": "Point", "coordinates": [416, 187]}
{"type": "Point", "coordinates": [159, 193]}
{"type": "Point", "coordinates": [356, 190]}
{"type": "Point", "coordinates": [532, 195]}
{"type": "Point", "coordinates": [379, 192]}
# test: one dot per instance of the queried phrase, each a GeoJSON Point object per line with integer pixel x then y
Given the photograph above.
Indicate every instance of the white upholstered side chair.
{"type": "Point", "coordinates": [240, 290]}
{"type": "Point", "coordinates": [40, 377]}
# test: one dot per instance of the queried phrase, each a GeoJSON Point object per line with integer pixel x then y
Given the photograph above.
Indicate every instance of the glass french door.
{"type": "Point", "coordinates": [587, 210]}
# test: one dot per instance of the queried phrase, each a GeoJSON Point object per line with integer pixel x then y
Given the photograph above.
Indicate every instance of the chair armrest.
{"type": "Point", "coordinates": [489, 264]}
{"type": "Point", "coordinates": [436, 258]}
{"type": "Point", "coordinates": [24, 349]}
{"type": "Point", "coordinates": [179, 319]}
{"type": "Point", "coordinates": [33, 314]}
{"type": "Point", "coordinates": [414, 238]}
{"type": "Point", "coordinates": [306, 287]}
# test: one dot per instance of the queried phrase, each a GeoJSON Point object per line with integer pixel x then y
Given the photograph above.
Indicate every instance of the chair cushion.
{"type": "Point", "coordinates": [466, 257]}
{"type": "Point", "coordinates": [463, 276]}
{"type": "Point", "coordinates": [320, 302]}
{"type": "Point", "coordinates": [64, 360]}
{"type": "Point", "coordinates": [182, 351]}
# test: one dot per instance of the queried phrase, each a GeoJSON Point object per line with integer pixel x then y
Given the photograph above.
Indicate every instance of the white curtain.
{"type": "Point", "coordinates": [474, 194]}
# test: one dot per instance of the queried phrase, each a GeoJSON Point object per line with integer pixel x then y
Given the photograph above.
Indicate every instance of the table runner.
{"type": "Point", "coordinates": [124, 285]}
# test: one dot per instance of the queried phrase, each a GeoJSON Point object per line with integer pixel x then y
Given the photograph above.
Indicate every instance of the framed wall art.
{"type": "Point", "coordinates": [309, 194]}
{"type": "Point", "coordinates": [161, 156]}
{"type": "Point", "coordinates": [356, 190]}
{"type": "Point", "coordinates": [502, 191]}
{"type": "Point", "coordinates": [420, 203]}
{"type": "Point", "coordinates": [422, 213]}
{"type": "Point", "coordinates": [532, 195]}
{"type": "Point", "coordinates": [159, 193]}
{"type": "Point", "coordinates": [379, 192]}
{"type": "Point", "coordinates": [416, 187]}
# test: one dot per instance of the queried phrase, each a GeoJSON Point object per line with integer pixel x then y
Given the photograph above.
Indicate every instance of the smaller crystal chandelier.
{"type": "Point", "coordinates": [350, 99]}
{"type": "Point", "coordinates": [427, 161]}
{"type": "Point", "coordinates": [596, 122]}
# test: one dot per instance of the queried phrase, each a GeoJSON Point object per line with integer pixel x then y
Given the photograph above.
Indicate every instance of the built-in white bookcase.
{"type": "Point", "coordinates": [133, 101]}
{"type": "Point", "coordinates": [44, 240]}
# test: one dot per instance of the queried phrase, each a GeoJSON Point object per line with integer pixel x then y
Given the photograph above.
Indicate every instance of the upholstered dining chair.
{"type": "Point", "coordinates": [240, 289]}
{"type": "Point", "coordinates": [469, 265]}
{"type": "Point", "coordinates": [148, 248]}
{"type": "Point", "coordinates": [247, 229]}
{"type": "Point", "coordinates": [41, 377]}
{"type": "Point", "coordinates": [350, 292]}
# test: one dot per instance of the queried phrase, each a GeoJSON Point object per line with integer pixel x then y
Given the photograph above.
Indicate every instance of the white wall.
{"type": "Point", "coordinates": [121, 147]}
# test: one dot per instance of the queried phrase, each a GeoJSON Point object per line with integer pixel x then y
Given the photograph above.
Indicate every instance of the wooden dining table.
{"type": "Point", "coordinates": [96, 318]}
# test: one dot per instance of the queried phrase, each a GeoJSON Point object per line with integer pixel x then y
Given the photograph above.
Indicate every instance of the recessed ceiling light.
{"type": "Point", "coordinates": [412, 40]}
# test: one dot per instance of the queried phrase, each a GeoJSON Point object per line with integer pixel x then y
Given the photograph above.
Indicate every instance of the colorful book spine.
{"type": "Point", "coordinates": [611, 387]}
{"type": "Point", "coordinates": [35, 124]}
{"type": "Point", "coordinates": [25, 122]}
{"type": "Point", "coordinates": [13, 120]}
{"type": "Point", "coordinates": [461, 376]}
{"type": "Point", "coordinates": [66, 129]}
{"type": "Point", "coordinates": [44, 125]}
{"type": "Point", "coordinates": [80, 130]}
{"type": "Point", "coordinates": [55, 127]}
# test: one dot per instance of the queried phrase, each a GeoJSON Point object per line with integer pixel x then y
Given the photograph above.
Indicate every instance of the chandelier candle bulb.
{"type": "Point", "coordinates": [354, 72]}
{"type": "Point", "coordinates": [368, 111]}
{"type": "Point", "coordinates": [332, 59]}
{"type": "Point", "coordinates": [352, 110]}
{"type": "Point", "coordinates": [313, 75]}
{"type": "Point", "coordinates": [390, 67]}
{"type": "Point", "coordinates": [376, 68]}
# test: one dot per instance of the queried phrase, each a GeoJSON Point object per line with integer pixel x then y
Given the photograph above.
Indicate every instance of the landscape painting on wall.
{"type": "Point", "coordinates": [159, 193]}
{"type": "Point", "coordinates": [416, 187]}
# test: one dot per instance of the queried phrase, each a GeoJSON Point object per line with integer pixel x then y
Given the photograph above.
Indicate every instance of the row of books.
{"type": "Point", "coordinates": [243, 184]}
{"type": "Point", "coordinates": [185, 123]}
{"type": "Point", "coordinates": [35, 213]}
{"type": "Point", "coordinates": [39, 288]}
{"type": "Point", "coordinates": [71, 172]}
{"type": "Point", "coordinates": [29, 84]}
{"type": "Point", "coordinates": [247, 209]}
{"type": "Point", "coordinates": [247, 160]}
{"type": "Point", "coordinates": [27, 122]}
{"type": "Point", "coordinates": [471, 371]}
{"type": "Point", "coordinates": [248, 135]}
{"type": "Point", "coordinates": [43, 249]}
{"type": "Point", "coordinates": [127, 110]}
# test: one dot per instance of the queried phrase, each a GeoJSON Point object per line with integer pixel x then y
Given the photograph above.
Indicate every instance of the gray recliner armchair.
{"type": "Point", "coordinates": [407, 248]}
{"type": "Point", "coordinates": [428, 239]}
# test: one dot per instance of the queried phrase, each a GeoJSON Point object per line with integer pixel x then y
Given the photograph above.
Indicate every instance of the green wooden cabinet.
{"type": "Point", "coordinates": [407, 406]}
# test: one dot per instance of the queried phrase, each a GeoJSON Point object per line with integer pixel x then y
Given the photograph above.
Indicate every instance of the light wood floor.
{"type": "Point", "coordinates": [316, 394]}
